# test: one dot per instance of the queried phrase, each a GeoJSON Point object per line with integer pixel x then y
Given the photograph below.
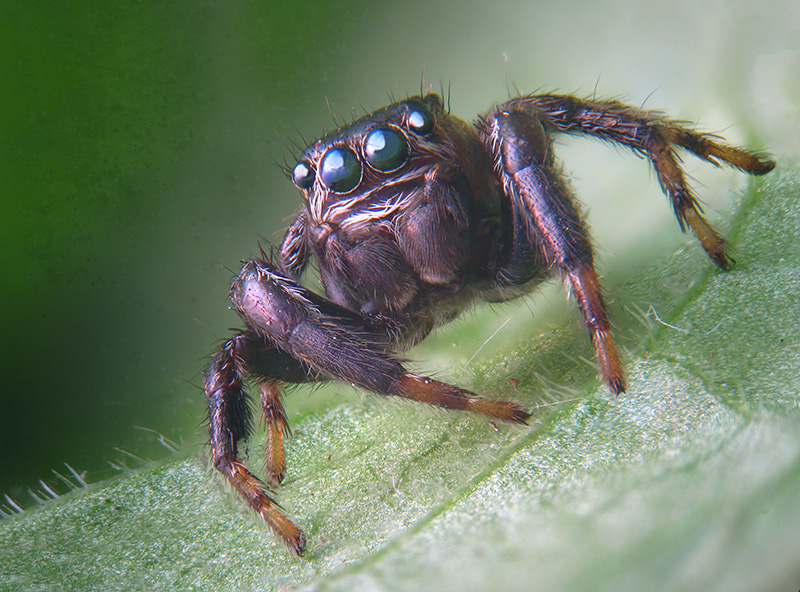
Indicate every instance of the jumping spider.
{"type": "Point", "coordinates": [413, 215]}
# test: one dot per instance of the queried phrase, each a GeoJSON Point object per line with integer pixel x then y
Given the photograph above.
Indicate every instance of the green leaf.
{"type": "Point", "coordinates": [689, 481]}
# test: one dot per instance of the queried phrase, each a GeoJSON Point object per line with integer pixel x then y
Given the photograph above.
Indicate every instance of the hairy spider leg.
{"type": "Point", "coordinates": [293, 254]}
{"type": "Point", "coordinates": [654, 136]}
{"type": "Point", "coordinates": [333, 343]}
{"type": "Point", "coordinates": [229, 421]}
{"type": "Point", "coordinates": [297, 336]}
{"type": "Point", "coordinates": [546, 217]}
{"type": "Point", "coordinates": [273, 417]}
{"type": "Point", "coordinates": [271, 368]}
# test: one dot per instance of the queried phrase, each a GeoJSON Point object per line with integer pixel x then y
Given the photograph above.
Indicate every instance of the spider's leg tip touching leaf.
{"type": "Point", "coordinates": [764, 166]}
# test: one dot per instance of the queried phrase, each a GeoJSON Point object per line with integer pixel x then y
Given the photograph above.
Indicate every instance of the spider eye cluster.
{"type": "Point", "coordinates": [384, 149]}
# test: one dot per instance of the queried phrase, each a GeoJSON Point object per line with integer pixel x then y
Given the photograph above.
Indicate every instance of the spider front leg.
{"type": "Point", "coordinates": [335, 343]}
{"type": "Point", "coordinates": [296, 336]}
{"type": "Point", "coordinates": [230, 423]}
{"type": "Point", "coordinates": [546, 224]}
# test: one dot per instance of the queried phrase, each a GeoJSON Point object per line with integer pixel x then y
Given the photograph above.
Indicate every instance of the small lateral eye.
{"type": "Point", "coordinates": [386, 149]}
{"type": "Point", "coordinates": [420, 119]}
{"type": "Point", "coordinates": [303, 175]}
{"type": "Point", "coordinates": [340, 170]}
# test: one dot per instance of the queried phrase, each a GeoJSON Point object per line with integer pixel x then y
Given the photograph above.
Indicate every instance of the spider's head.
{"type": "Point", "coordinates": [375, 163]}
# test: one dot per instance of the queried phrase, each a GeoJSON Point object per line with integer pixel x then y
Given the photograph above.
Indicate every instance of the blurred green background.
{"type": "Point", "coordinates": [138, 144]}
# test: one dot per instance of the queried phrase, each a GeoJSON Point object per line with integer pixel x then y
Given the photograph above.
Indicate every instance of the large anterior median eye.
{"type": "Point", "coordinates": [340, 170]}
{"type": "Point", "coordinates": [386, 149]}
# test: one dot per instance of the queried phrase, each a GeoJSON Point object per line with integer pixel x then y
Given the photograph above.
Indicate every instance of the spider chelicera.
{"type": "Point", "coordinates": [412, 215]}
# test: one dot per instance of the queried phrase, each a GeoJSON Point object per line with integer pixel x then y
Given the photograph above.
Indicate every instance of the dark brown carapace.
{"type": "Point", "coordinates": [413, 215]}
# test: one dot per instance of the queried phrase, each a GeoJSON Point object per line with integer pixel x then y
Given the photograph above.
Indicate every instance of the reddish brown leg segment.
{"type": "Point", "coordinates": [708, 147]}
{"type": "Point", "coordinates": [252, 490]}
{"type": "Point", "coordinates": [687, 208]}
{"type": "Point", "coordinates": [433, 392]}
{"type": "Point", "coordinates": [274, 417]}
{"type": "Point", "coordinates": [586, 289]}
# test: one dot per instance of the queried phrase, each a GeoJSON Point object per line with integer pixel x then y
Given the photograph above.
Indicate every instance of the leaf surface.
{"type": "Point", "coordinates": [689, 481]}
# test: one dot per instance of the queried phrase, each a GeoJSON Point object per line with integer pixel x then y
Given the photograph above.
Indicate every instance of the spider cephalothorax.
{"type": "Point", "coordinates": [412, 215]}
